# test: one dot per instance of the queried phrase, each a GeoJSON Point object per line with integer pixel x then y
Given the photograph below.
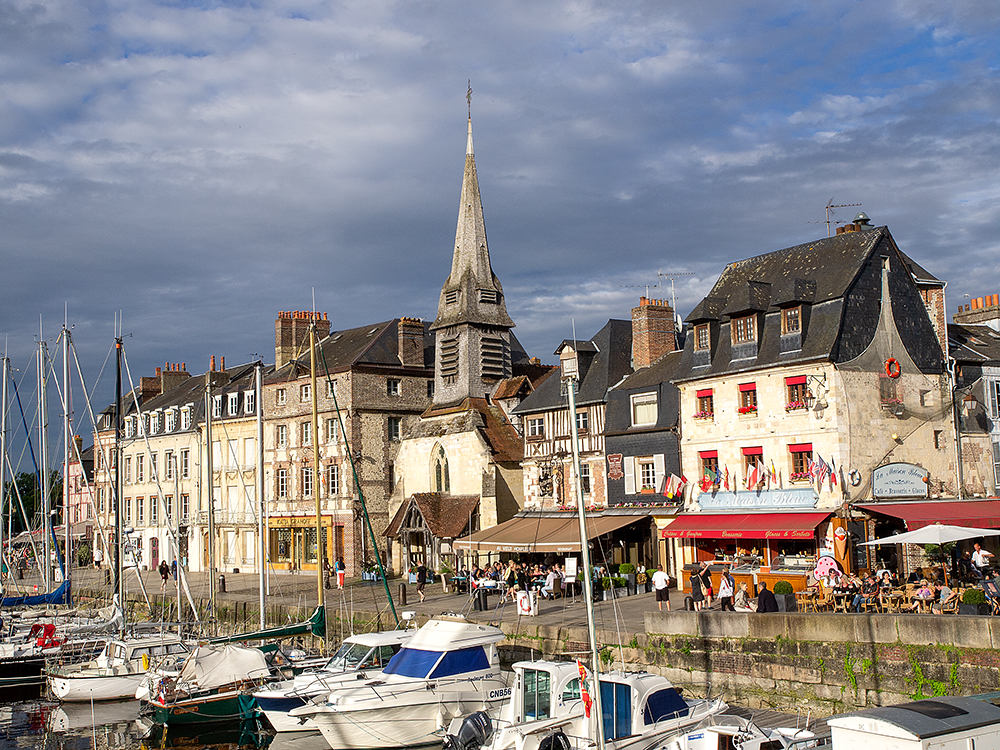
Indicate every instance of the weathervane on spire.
{"type": "Point", "coordinates": [468, 98]}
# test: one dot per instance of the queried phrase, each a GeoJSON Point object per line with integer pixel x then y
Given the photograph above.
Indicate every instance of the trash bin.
{"type": "Point", "coordinates": [402, 594]}
{"type": "Point", "coordinates": [222, 584]}
{"type": "Point", "coordinates": [688, 604]}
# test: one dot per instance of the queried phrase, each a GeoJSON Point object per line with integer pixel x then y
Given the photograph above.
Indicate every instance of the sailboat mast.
{"type": "Point", "coordinates": [67, 449]}
{"type": "Point", "coordinates": [569, 366]}
{"type": "Point", "coordinates": [261, 503]}
{"type": "Point", "coordinates": [176, 520]}
{"type": "Point", "coordinates": [43, 448]}
{"type": "Point", "coordinates": [117, 468]}
{"type": "Point", "coordinates": [3, 454]}
{"type": "Point", "coordinates": [210, 483]}
{"type": "Point", "coordinates": [316, 483]}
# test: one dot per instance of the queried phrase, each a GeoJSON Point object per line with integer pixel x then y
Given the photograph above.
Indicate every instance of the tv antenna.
{"type": "Point", "coordinates": [830, 212]}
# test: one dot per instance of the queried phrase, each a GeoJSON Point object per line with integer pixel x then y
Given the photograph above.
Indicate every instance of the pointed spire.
{"type": "Point", "coordinates": [472, 293]}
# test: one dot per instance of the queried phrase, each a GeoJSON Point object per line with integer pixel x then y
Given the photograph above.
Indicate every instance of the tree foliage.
{"type": "Point", "coordinates": [25, 486]}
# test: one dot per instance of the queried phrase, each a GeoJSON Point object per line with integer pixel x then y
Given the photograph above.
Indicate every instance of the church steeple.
{"type": "Point", "coordinates": [472, 293]}
{"type": "Point", "coordinates": [472, 326]}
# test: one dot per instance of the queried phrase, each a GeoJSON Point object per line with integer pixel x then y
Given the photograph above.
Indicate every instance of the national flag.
{"type": "Point", "coordinates": [753, 476]}
{"type": "Point", "coordinates": [822, 468]}
{"type": "Point", "coordinates": [774, 474]}
{"type": "Point", "coordinates": [811, 469]}
{"type": "Point", "coordinates": [725, 482]}
{"type": "Point", "coordinates": [584, 693]}
{"type": "Point", "coordinates": [833, 474]}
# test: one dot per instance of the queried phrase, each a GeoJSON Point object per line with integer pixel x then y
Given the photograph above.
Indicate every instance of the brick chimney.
{"type": "Point", "coordinates": [216, 377]}
{"type": "Point", "coordinates": [652, 331]}
{"type": "Point", "coordinates": [173, 375]}
{"type": "Point", "coordinates": [149, 388]}
{"type": "Point", "coordinates": [411, 342]}
{"type": "Point", "coordinates": [291, 334]}
{"type": "Point", "coordinates": [983, 311]}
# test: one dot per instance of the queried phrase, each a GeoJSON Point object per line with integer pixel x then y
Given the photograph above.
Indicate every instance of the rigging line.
{"type": "Point", "coordinates": [159, 497]}
{"type": "Point", "coordinates": [357, 483]}
{"type": "Point", "coordinates": [24, 515]}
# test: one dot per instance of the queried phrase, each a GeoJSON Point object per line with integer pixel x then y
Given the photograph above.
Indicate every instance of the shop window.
{"type": "Point", "coordinates": [283, 545]}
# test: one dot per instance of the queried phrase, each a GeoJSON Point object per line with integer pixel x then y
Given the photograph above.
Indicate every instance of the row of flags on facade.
{"type": "Point", "coordinates": [757, 475]}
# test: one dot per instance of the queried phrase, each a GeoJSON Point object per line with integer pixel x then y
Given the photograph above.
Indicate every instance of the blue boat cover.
{"type": "Point", "coordinates": [59, 596]}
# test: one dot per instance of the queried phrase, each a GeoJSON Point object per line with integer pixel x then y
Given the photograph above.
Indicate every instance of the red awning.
{"type": "Point", "coordinates": [703, 392]}
{"type": "Point", "coordinates": [747, 387]}
{"type": "Point", "coordinates": [753, 451]}
{"type": "Point", "coordinates": [917, 514]}
{"type": "Point", "coordinates": [797, 380]}
{"type": "Point", "coordinates": [745, 525]}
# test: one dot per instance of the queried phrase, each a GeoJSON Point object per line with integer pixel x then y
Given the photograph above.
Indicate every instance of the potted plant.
{"type": "Point", "coordinates": [641, 582]}
{"type": "Point", "coordinates": [747, 411]}
{"type": "Point", "coordinates": [649, 579]}
{"type": "Point", "coordinates": [785, 597]}
{"type": "Point", "coordinates": [703, 415]}
{"type": "Point", "coordinates": [627, 571]}
{"type": "Point", "coordinates": [795, 405]}
{"type": "Point", "coordinates": [973, 603]}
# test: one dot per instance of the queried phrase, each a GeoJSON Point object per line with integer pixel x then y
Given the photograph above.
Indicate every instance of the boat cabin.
{"type": "Point", "coordinates": [945, 723]}
{"type": "Point", "coordinates": [631, 703]}
{"type": "Point", "coordinates": [367, 651]}
{"type": "Point", "coordinates": [118, 652]}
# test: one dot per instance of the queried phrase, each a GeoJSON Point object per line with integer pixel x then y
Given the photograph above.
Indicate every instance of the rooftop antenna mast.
{"type": "Point", "coordinates": [830, 212]}
{"type": "Point", "coordinates": [673, 275]}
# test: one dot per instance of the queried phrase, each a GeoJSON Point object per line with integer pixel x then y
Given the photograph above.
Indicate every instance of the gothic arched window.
{"type": "Point", "coordinates": [442, 480]}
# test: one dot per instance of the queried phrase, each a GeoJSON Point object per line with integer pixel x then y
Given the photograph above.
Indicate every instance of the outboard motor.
{"type": "Point", "coordinates": [473, 734]}
{"type": "Point", "coordinates": [555, 741]}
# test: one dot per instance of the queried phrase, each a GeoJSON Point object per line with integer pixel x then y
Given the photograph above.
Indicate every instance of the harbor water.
{"type": "Point", "coordinates": [46, 725]}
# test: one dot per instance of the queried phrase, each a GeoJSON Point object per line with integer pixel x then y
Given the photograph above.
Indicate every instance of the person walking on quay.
{"type": "Point", "coordinates": [696, 595]}
{"type": "Point", "coordinates": [164, 574]}
{"type": "Point", "coordinates": [421, 579]}
{"type": "Point", "coordinates": [706, 583]}
{"type": "Point", "coordinates": [341, 570]}
{"type": "Point", "coordinates": [661, 583]}
{"type": "Point", "coordinates": [727, 586]}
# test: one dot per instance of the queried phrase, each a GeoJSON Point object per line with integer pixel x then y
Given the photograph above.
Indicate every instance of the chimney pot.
{"type": "Point", "coordinates": [212, 367]}
{"type": "Point", "coordinates": [223, 367]}
{"type": "Point", "coordinates": [158, 371]}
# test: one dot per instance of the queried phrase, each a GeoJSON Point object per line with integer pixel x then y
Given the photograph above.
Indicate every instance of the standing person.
{"type": "Point", "coordinates": [98, 557]}
{"type": "Point", "coordinates": [981, 559]}
{"type": "Point", "coordinates": [173, 568]}
{"type": "Point", "coordinates": [765, 599]}
{"type": "Point", "coordinates": [341, 571]}
{"type": "Point", "coordinates": [727, 590]}
{"type": "Point", "coordinates": [661, 583]}
{"type": "Point", "coordinates": [696, 594]}
{"type": "Point", "coordinates": [164, 574]}
{"type": "Point", "coordinates": [421, 579]}
{"type": "Point", "coordinates": [706, 583]}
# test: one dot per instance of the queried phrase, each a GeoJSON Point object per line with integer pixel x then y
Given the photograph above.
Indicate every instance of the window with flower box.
{"type": "Point", "coordinates": [704, 404]}
{"type": "Point", "coordinates": [795, 393]}
{"type": "Point", "coordinates": [748, 400]}
{"type": "Point", "coordinates": [801, 456]}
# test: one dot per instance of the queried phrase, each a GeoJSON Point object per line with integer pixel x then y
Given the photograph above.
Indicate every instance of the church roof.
{"type": "Point", "coordinates": [473, 414]}
{"type": "Point", "coordinates": [446, 515]}
{"type": "Point", "coordinates": [472, 293]}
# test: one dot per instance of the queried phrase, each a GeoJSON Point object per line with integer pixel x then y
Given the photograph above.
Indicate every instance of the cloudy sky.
{"type": "Point", "coordinates": [200, 166]}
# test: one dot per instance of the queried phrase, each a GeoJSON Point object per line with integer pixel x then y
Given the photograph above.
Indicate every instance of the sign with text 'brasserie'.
{"type": "Point", "coordinates": [900, 480]}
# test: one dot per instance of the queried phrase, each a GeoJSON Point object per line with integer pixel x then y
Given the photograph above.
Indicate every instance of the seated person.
{"type": "Point", "coordinates": [945, 596]}
{"type": "Point", "coordinates": [915, 575]}
{"type": "Point", "coordinates": [548, 590]}
{"type": "Point", "coordinates": [869, 592]}
{"type": "Point", "coordinates": [923, 592]}
{"type": "Point", "coordinates": [742, 602]}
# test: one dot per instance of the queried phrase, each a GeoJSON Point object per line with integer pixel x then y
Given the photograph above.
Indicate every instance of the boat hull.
{"type": "Point", "coordinates": [111, 687]}
{"type": "Point", "coordinates": [276, 710]}
{"type": "Point", "coordinates": [408, 725]}
{"type": "Point", "coordinates": [228, 706]}
{"type": "Point", "coordinates": [22, 678]}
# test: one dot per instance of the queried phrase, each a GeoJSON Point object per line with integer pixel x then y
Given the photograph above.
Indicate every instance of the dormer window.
{"type": "Point", "coordinates": [216, 407]}
{"type": "Point", "coordinates": [234, 404]}
{"type": "Point", "coordinates": [744, 329]}
{"type": "Point", "coordinates": [250, 402]}
{"type": "Point", "coordinates": [702, 340]}
{"type": "Point", "coordinates": [186, 418]}
{"type": "Point", "coordinates": [451, 297]}
{"type": "Point", "coordinates": [489, 296]}
{"type": "Point", "coordinates": [791, 320]}
{"type": "Point", "coordinates": [171, 420]}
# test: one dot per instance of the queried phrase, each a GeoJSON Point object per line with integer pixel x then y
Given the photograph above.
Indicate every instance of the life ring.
{"type": "Point", "coordinates": [892, 368]}
{"type": "Point", "coordinates": [855, 477]}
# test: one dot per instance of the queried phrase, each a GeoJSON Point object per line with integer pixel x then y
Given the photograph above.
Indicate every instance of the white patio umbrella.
{"type": "Point", "coordinates": [935, 533]}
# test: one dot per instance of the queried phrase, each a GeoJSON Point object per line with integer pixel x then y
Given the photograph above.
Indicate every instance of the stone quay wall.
{"type": "Point", "coordinates": [823, 664]}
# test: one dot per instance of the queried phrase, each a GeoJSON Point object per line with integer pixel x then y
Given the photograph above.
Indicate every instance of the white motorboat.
{"type": "Point", "coordinates": [448, 669]}
{"type": "Point", "coordinates": [116, 673]}
{"type": "Point", "coordinates": [727, 732]}
{"type": "Point", "coordinates": [360, 657]}
{"type": "Point", "coordinates": [639, 710]}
